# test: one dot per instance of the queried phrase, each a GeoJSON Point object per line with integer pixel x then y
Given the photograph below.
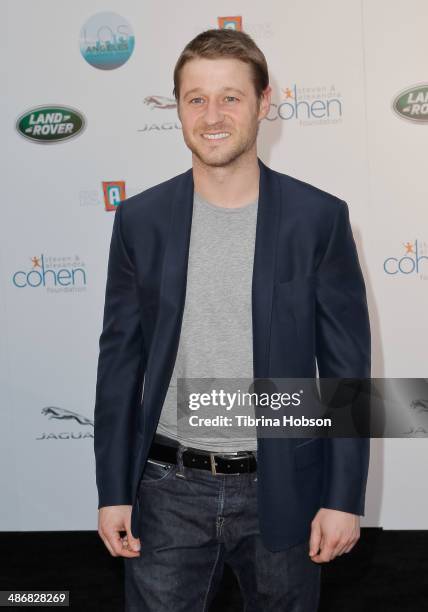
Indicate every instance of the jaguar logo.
{"type": "Point", "coordinates": [160, 102]}
{"type": "Point", "coordinates": [52, 412]}
{"type": "Point", "coordinates": [420, 405]}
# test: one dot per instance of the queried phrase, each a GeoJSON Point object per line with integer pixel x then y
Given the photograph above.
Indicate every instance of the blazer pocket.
{"type": "Point", "coordinates": [308, 453]}
{"type": "Point", "coordinates": [298, 280]}
{"type": "Point", "coordinates": [297, 289]}
{"type": "Point", "coordinates": [296, 299]}
{"type": "Point", "coordinates": [148, 307]}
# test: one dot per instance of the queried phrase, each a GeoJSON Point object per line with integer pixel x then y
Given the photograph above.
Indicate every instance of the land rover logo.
{"type": "Point", "coordinates": [412, 104]}
{"type": "Point", "coordinates": [50, 123]}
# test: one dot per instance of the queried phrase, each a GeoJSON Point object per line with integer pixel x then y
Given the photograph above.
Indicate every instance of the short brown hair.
{"type": "Point", "coordinates": [221, 43]}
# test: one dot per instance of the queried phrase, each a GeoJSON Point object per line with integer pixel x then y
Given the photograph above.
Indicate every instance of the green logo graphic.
{"type": "Point", "coordinates": [412, 103]}
{"type": "Point", "coordinates": [50, 123]}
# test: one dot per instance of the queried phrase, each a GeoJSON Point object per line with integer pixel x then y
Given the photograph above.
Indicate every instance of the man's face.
{"type": "Point", "coordinates": [219, 110]}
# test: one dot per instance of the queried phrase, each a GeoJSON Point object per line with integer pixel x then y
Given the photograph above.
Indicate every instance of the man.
{"type": "Point", "coordinates": [228, 270]}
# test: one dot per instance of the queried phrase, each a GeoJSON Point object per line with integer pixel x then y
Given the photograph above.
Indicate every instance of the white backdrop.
{"type": "Point", "coordinates": [349, 60]}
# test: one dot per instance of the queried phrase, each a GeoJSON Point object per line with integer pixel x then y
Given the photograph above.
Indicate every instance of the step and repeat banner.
{"type": "Point", "coordinates": [90, 120]}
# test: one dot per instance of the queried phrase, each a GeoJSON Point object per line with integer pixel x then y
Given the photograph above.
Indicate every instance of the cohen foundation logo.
{"type": "Point", "coordinates": [50, 124]}
{"type": "Point", "coordinates": [412, 104]}
{"type": "Point", "coordinates": [106, 41]}
{"type": "Point", "coordinates": [321, 105]}
{"type": "Point", "coordinates": [54, 274]}
{"type": "Point", "coordinates": [412, 261]}
{"type": "Point", "coordinates": [79, 427]}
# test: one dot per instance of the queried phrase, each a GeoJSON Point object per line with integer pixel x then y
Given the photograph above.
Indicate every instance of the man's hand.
{"type": "Point", "coordinates": [111, 521]}
{"type": "Point", "coordinates": [334, 532]}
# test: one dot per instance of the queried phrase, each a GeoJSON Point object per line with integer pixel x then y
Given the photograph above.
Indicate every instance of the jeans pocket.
{"type": "Point", "coordinates": [156, 472]}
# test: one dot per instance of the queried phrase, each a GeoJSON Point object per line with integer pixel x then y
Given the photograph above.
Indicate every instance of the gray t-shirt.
{"type": "Point", "coordinates": [216, 334]}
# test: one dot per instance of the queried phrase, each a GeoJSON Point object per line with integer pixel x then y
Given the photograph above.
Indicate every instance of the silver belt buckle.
{"type": "Point", "coordinates": [212, 460]}
{"type": "Point", "coordinates": [236, 456]}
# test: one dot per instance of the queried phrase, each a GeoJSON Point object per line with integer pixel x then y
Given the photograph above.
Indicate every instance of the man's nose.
{"type": "Point", "coordinates": [213, 113]}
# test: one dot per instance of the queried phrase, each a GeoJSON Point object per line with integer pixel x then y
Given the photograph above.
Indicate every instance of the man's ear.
{"type": "Point", "coordinates": [178, 110]}
{"type": "Point", "coordinates": [264, 102]}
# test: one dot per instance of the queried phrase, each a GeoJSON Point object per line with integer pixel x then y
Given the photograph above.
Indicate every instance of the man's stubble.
{"type": "Point", "coordinates": [218, 158]}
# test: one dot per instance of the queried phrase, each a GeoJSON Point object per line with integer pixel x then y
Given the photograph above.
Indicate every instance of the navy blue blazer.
{"type": "Point", "coordinates": [308, 305]}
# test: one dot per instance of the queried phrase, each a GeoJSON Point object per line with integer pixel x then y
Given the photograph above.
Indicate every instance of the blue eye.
{"type": "Point", "coordinates": [228, 98]}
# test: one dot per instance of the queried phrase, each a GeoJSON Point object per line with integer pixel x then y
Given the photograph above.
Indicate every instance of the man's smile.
{"type": "Point", "coordinates": [216, 135]}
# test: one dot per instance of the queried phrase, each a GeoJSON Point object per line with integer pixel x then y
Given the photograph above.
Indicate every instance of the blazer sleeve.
{"type": "Point", "coordinates": [343, 350]}
{"type": "Point", "coordinates": [121, 366]}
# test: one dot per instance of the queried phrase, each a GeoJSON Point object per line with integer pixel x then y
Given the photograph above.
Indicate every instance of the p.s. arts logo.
{"type": "Point", "coordinates": [106, 41]}
{"type": "Point", "coordinates": [308, 105]}
{"type": "Point", "coordinates": [111, 194]}
{"type": "Point", "coordinates": [49, 124]}
{"type": "Point", "coordinates": [114, 194]}
{"type": "Point", "coordinates": [162, 103]}
{"type": "Point", "coordinates": [230, 23]}
{"type": "Point", "coordinates": [74, 420]}
{"type": "Point", "coordinates": [412, 104]}
{"type": "Point", "coordinates": [54, 274]}
{"type": "Point", "coordinates": [413, 262]}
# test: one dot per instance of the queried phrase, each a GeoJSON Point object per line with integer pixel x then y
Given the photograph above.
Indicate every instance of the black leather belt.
{"type": "Point", "coordinates": [242, 462]}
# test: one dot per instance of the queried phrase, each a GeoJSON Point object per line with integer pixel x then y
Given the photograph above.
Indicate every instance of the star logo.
{"type": "Point", "coordinates": [287, 93]}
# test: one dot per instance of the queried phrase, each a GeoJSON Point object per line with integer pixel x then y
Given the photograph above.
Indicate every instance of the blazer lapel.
{"type": "Point", "coordinates": [268, 217]}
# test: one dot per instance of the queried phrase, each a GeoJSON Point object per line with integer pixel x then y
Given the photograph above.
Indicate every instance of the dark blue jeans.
{"type": "Point", "coordinates": [191, 522]}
